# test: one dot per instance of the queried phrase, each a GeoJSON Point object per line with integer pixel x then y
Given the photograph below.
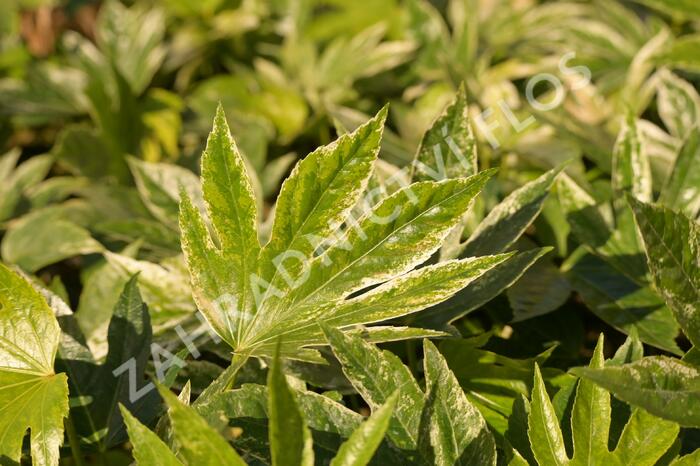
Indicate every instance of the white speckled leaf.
{"type": "Point", "coordinates": [448, 148]}
{"type": "Point", "coordinates": [414, 291]}
{"type": "Point", "coordinates": [666, 387]}
{"type": "Point", "coordinates": [318, 194]}
{"type": "Point", "coordinates": [401, 232]}
{"type": "Point", "coordinates": [672, 244]}
{"type": "Point", "coordinates": [631, 169]}
{"type": "Point", "coordinates": [377, 374]}
{"type": "Point", "coordinates": [458, 433]}
{"type": "Point", "coordinates": [311, 266]}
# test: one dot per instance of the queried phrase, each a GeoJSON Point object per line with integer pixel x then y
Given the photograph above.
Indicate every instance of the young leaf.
{"type": "Point", "coordinates": [290, 438]}
{"type": "Point", "coordinates": [543, 427]}
{"type": "Point", "coordinates": [666, 387]}
{"type": "Point", "coordinates": [32, 396]}
{"type": "Point", "coordinates": [148, 447]}
{"type": "Point", "coordinates": [590, 418]}
{"type": "Point", "coordinates": [198, 442]}
{"type": "Point", "coordinates": [457, 432]}
{"type": "Point", "coordinates": [672, 245]}
{"type": "Point", "coordinates": [448, 148]}
{"type": "Point", "coordinates": [364, 441]}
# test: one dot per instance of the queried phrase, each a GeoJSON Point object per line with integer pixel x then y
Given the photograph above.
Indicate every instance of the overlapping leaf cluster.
{"type": "Point", "coordinates": [430, 286]}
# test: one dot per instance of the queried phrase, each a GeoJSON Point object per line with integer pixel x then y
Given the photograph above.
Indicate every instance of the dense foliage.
{"type": "Point", "coordinates": [297, 232]}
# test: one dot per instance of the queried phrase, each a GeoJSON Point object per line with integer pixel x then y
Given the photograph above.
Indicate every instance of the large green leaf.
{"type": "Point", "coordinates": [672, 244]}
{"type": "Point", "coordinates": [666, 387]}
{"type": "Point", "coordinates": [32, 396]}
{"type": "Point", "coordinates": [457, 431]}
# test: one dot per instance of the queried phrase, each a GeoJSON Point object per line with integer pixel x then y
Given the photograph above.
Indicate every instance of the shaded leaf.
{"type": "Point", "coordinates": [672, 245]}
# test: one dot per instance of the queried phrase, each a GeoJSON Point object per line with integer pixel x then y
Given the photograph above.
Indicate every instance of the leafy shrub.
{"type": "Point", "coordinates": [487, 271]}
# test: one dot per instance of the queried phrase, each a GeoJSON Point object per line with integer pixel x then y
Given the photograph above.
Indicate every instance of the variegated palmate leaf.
{"type": "Point", "coordinates": [320, 261]}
